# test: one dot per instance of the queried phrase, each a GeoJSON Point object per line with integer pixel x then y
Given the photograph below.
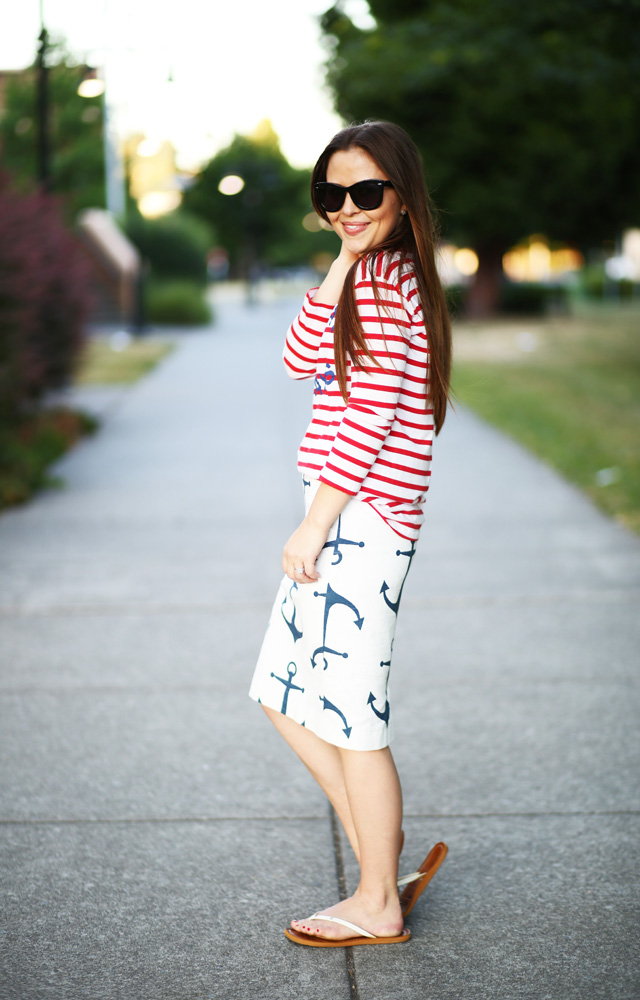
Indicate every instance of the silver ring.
{"type": "Point", "coordinates": [296, 570]}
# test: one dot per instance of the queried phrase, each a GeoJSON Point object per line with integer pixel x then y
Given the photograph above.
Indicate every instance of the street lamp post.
{"type": "Point", "coordinates": [114, 167]}
{"type": "Point", "coordinates": [94, 84]}
{"type": "Point", "coordinates": [44, 146]}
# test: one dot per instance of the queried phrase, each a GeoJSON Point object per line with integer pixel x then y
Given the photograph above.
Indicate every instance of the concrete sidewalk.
{"type": "Point", "coordinates": [157, 835]}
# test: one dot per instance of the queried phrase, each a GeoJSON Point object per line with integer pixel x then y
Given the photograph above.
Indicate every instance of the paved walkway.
{"type": "Point", "coordinates": [156, 835]}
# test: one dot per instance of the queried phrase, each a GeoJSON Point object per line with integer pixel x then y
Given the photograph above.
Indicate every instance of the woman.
{"type": "Point", "coordinates": [376, 338]}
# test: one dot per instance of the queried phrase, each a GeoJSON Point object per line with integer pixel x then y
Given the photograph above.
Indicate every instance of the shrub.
{"type": "Point", "coordinates": [29, 447]}
{"type": "Point", "coordinates": [179, 302]}
{"type": "Point", "coordinates": [626, 289]}
{"type": "Point", "coordinates": [532, 299]}
{"type": "Point", "coordinates": [595, 284]}
{"type": "Point", "coordinates": [592, 281]}
{"type": "Point", "coordinates": [44, 299]}
{"type": "Point", "coordinates": [175, 245]}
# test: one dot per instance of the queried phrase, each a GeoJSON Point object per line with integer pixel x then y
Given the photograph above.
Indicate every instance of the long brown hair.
{"type": "Point", "coordinates": [414, 237]}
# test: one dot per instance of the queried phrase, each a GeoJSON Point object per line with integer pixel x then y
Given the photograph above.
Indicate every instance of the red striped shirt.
{"type": "Point", "coordinates": [377, 447]}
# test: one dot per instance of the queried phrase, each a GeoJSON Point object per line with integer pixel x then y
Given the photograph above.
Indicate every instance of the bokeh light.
{"type": "Point", "coordinates": [91, 88]}
{"type": "Point", "coordinates": [231, 184]}
{"type": "Point", "coordinates": [312, 222]}
{"type": "Point", "coordinates": [157, 203]}
{"type": "Point", "coordinates": [466, 261]}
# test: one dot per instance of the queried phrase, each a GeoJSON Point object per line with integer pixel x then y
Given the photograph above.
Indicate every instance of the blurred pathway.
{"type": "Point", "coordinates": [157, 836]}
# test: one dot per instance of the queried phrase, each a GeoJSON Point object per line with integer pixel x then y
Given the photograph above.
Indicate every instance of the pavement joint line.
{"type": "Point", "coordinates": [130, 608]}
{"type": "Point", "coordinates": [469, 680]}
{"type": "Point", "coordinates": [159, 820]}
{"type": "Point", "coordinates": [168, 820]}
{"type": "Point", "coordinates": [628, 594]}
{"type": "Point", "coordinates": [112, 689]}
{"type": "Point", "coordinates": [342, 892]}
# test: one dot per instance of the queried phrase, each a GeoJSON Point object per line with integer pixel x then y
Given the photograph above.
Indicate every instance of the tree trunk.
{"type": "Point", "coordinates": [484, 294]}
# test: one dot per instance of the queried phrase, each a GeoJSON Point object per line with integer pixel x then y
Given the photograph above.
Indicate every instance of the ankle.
{"type": "Point", "coordinates": [379, 897]}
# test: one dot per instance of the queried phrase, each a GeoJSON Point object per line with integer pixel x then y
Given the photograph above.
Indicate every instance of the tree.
{"type": "Point", "coordinates": [76, 123]}
{"type": "Point", "coordinates": [175, 245]}
{"type": "Point", "coordinates": [526, 114]}
{"type": "Point", "coordinates": [262, 224]}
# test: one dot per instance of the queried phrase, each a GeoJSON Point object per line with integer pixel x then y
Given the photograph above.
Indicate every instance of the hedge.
{"type": "Point", "coordinates": [44, 300]}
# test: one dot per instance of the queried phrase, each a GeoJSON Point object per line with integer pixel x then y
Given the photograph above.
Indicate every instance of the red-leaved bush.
{"type": "Point", "coordinates": [44, 299]}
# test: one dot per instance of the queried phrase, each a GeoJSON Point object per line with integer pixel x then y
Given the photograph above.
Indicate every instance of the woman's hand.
{"type": "Point", "coordinates": [331, 288]}
{"type": "Point", "coordinates": [302, 550]}
{"type": "Point", "coordinates": [307, 541]}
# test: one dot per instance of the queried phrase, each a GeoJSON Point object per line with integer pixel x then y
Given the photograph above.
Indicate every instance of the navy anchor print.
{"type": "Point", "coordinates": [327, 705]}
{"type": "Point", "coordinates": [292, 670]}
{"type": "Point", "coordinates": [337, 542]}
{"type": "Point", "coordinates": [291, 624]}
{"type": "Point", "coordinates": [332, 599]}
{"type": "Point", "coordinates": [381, 715]}
{"type": "Point", "coordinates": [394, 605]}
{"type": "Point", "coordinates": [329, 666]}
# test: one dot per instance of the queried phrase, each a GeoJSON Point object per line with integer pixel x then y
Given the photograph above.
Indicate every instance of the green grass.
{"type": "Point", "coordinates": [100, 364]}
{"type": "Point", "coordinates": [574, 400]}
{"type": "Point", "coordinates": [29, 444]}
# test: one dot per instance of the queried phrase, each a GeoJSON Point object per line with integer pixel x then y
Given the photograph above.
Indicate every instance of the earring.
{"type": "Point", "coordinates": [403, 211]}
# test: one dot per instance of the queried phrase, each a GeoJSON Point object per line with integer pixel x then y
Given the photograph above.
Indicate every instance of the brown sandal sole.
{"type": "Point", "coordinates": [315, 942]}
{"type": "Point", "coordinates": [412, 892]}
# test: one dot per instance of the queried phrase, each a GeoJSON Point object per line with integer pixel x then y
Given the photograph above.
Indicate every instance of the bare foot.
{"type": "Point", "coordinates": [383, 921]}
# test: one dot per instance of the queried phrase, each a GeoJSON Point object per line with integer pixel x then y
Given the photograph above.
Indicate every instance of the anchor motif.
{"type": "Point", "coordinates": [394, 605]}
{"type": "Point", "coordinates": [288, 684]}
{"type": "Point", "coordinates": [337, 542]}
{"type": "Point", "coordinates": [326, 704]}
{"type": "Point", "coordinates": [332, 598]}
{"type": "Point", "coordinates": [411, 554]}
{"type": "Point", "coordinates": [381, 715]}
{"type": "Point", "coordinates": [295, 631]}
{"type": "Point", "coordinates": [305, 482]}
{"type": "Point", "coordinates": [322, 382]}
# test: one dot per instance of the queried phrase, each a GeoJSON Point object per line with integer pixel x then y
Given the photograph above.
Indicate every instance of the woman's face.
{"type": "Point", "coordinates": [360, 230]}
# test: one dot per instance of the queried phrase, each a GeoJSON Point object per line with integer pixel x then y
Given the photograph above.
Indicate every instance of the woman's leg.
{"type": "Point", "coordinates": [375, 800]}
{"type": "Point", "coordinates": [324, 762]}
{"type": "Point", "coordinates": [364, 789]}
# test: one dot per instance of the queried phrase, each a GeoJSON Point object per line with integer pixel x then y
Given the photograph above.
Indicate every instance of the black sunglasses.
{"type": "Point", "coordinates": [365, 195]}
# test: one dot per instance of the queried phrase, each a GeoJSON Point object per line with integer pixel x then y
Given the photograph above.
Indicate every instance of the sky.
{"type": "Point", "coordinates": [232, 63]}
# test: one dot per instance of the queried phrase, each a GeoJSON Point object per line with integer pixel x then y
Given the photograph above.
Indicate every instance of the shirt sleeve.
{"type": "Point", "coordinates": [303, 339]}
{"type": "Point", "coordinates": [375, 388]}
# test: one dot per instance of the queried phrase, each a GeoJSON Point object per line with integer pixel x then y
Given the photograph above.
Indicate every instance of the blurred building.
{"type": "Point", "coordinates": [153, 179]}
{"type": "Point", "coordinates": [115, 268]}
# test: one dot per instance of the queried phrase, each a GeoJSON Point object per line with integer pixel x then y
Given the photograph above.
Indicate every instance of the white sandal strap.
{"type": "Point", "coordinates": [344, 923]}
{"type": "Point", "coordinates": [406, 879]}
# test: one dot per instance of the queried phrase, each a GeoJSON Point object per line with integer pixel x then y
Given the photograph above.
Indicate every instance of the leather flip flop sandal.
{"type": "Point", "coordinates": [364, 937]}
{"type": "Point", "coordinates": [412, 886]}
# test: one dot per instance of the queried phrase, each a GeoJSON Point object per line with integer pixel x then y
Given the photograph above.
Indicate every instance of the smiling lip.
{"type": "Point", "coordinates": [353, 228]}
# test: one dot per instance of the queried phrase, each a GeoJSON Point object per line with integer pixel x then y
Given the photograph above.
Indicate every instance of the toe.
{"type": "Point", "coordinates": [301, 926]}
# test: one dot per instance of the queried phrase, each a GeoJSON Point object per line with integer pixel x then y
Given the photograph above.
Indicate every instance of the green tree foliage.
{"type": "Point", "coordinates": [75, 130]}
{"type": "Point", "coordinates": [263, 223]}
{"type": "Point", "coordinates": [176, 245]}
{"type": "Point", "coordinates": [526, 114]}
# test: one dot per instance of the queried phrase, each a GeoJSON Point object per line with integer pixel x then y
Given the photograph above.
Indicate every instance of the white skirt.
{"type": "Point", "coordinates": [326, 654]}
